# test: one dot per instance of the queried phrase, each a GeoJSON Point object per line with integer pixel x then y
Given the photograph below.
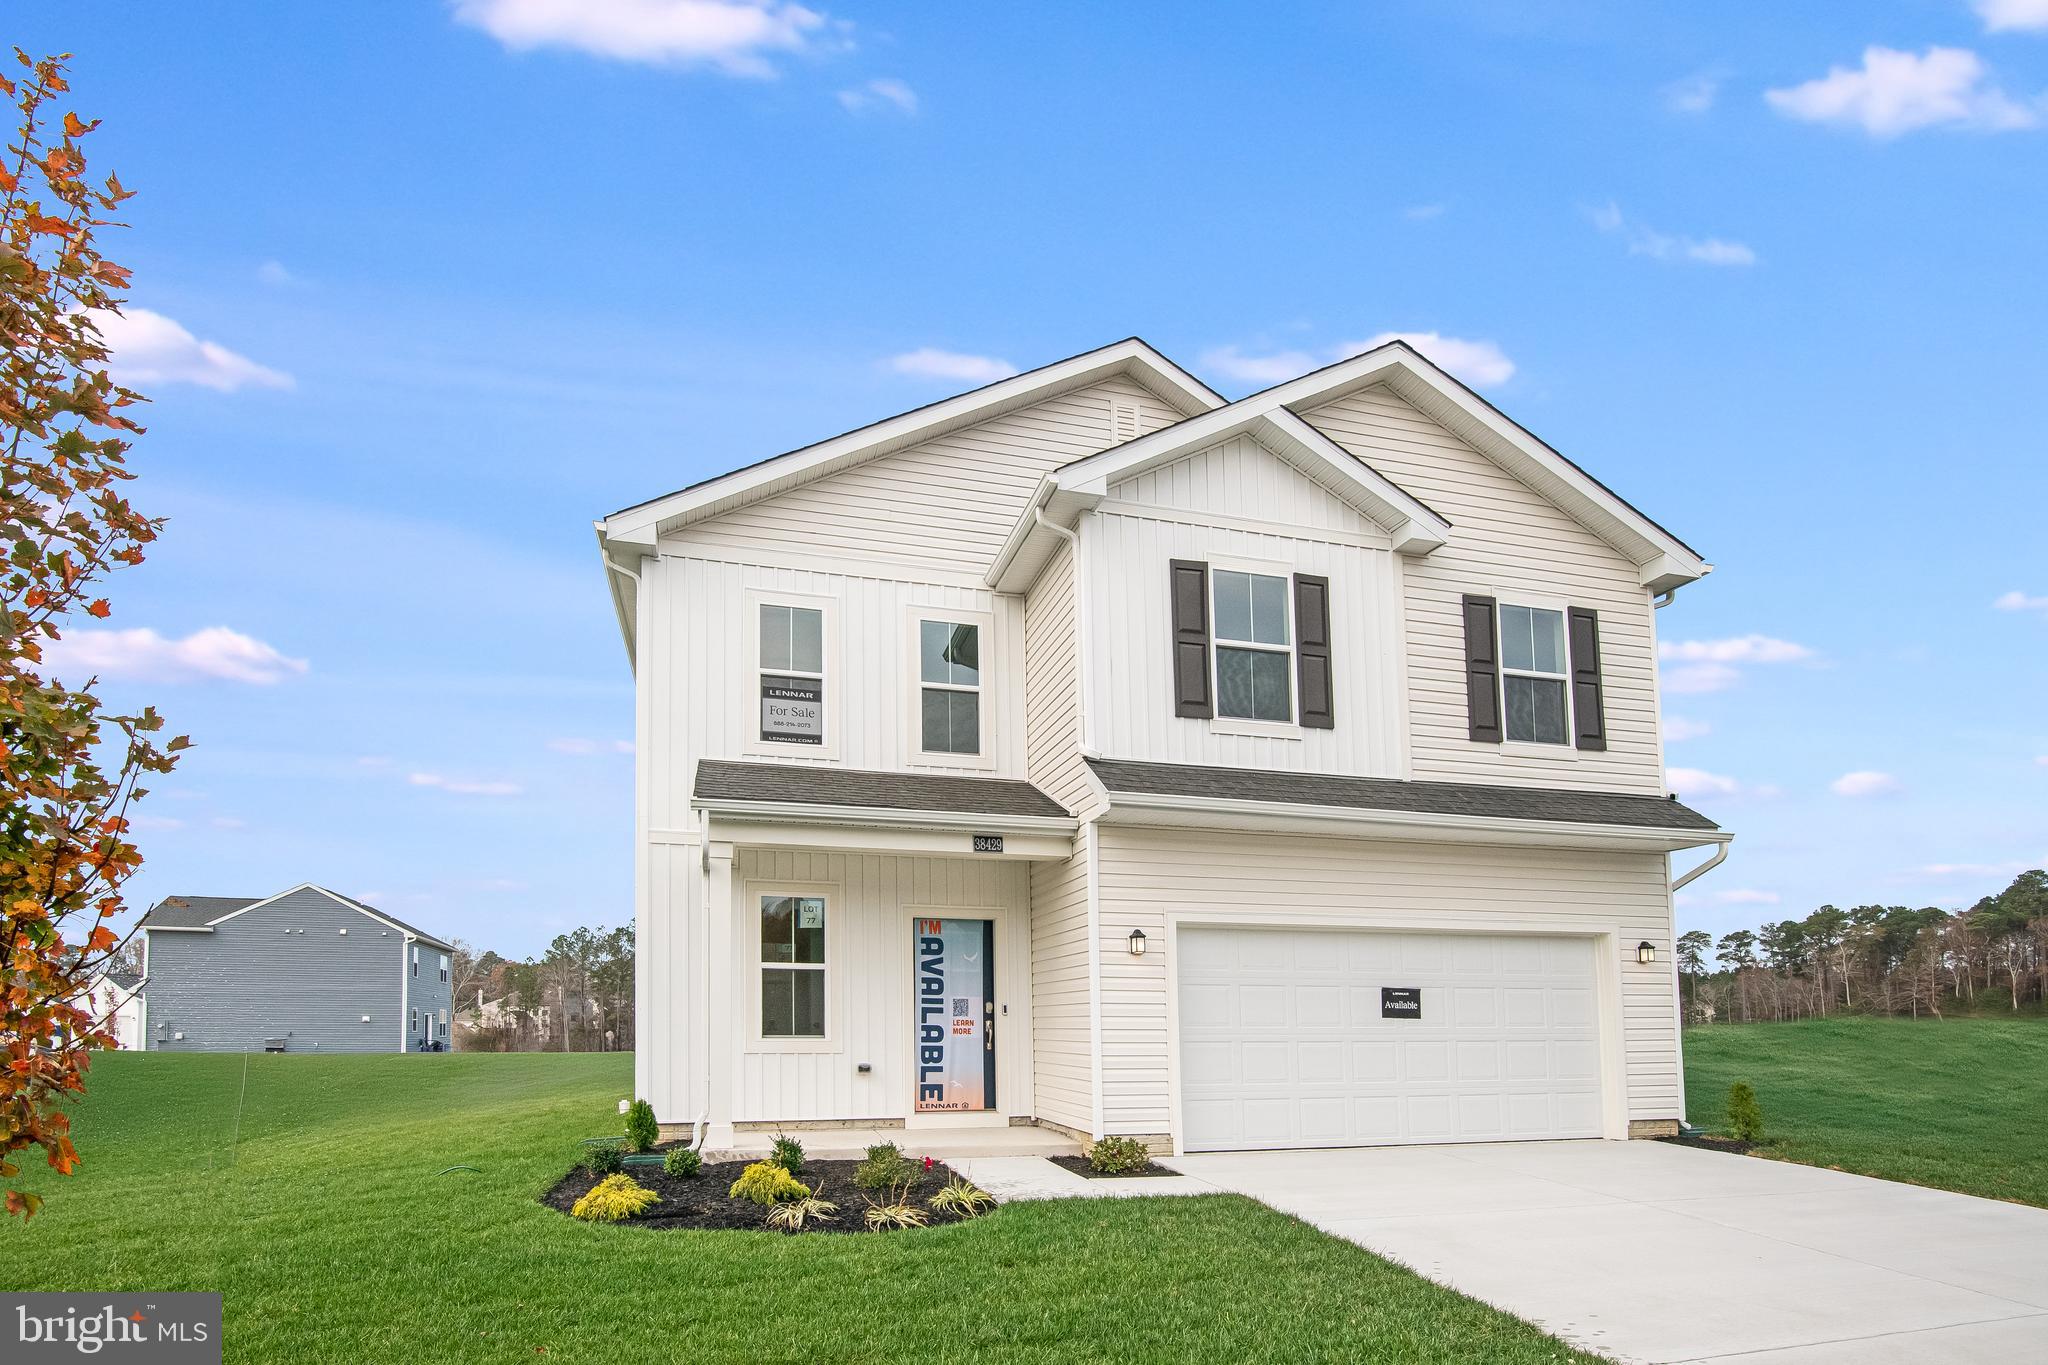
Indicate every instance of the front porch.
{"type": "Point", "coordinates": [942, 1142]}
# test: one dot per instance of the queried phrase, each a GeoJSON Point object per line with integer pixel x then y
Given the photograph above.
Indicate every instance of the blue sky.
{"type": "Point", "coordinates": [429, 286]}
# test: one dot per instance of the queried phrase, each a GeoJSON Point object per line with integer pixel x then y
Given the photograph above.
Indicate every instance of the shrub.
{"type": "Point", "coordinates": [961, 1197]}
{"type": "Point", "coordinates": [884, 1167]}
{"type": "Point", "coordinates": [767, 1184]}
{"type": "Point", "coordinates": [787, 1153]}
{"type": "Point", "coordinates": [642, 1132]}
{"type": "Point", "coordinates": [792, 1214]}
{"type": "Point", "coordinates": [1116, 1155]}
{"type": "Point", "coordinates": [603, 1158]}
{"type": "Point", "coordinates": [613, 1200]}
{"type": "Point", "coordinates": [1745, 1115]}
{"type": "Point", "coordinates": [681, 1161]}
{"type": "Point", "coordinates": [896, 1214]}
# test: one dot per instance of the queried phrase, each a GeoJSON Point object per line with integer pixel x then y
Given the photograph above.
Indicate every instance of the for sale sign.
{"type": "Point", "coordinates": [792, 709]}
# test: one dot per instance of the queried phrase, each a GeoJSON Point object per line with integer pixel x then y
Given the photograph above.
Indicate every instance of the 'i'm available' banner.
{"type": "Point", "coordinates": [953, 1066]}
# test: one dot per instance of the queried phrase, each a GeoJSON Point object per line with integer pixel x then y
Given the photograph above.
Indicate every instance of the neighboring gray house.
{"type": "Point", "coordinates": [307, 970]}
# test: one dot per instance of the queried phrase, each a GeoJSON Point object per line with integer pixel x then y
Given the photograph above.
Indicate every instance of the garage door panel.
{"type": "Point", "coordinates": [1283, 1041]}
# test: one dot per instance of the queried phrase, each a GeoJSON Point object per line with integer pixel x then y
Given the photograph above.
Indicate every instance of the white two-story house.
{"type": "Point", "coordinates": [1090, 751]}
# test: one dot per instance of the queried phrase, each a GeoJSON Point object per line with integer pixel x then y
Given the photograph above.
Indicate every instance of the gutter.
{"type": "Point", "coordinates": [1720, 855]}
{"type": "Point", "coordinates": [887, 818]}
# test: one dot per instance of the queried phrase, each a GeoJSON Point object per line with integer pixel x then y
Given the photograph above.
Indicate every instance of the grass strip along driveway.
{"type": "Point", "coordinates": [324, 1222]}
{"type": "Point", "coordinates": [1953, 1103]}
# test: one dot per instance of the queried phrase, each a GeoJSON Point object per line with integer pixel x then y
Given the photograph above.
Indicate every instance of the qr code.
{"type": "Point", "coordinates": [960, 1007]}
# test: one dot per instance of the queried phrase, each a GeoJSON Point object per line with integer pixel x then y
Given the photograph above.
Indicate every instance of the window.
{"type": "Point", "coordinates": [444, 1020]}
{"type": "Point", "coordinates": [415, 959]}
{"type": "Point", "coordinates": [949, 669]}
{"type": "Point", "coordinates": [444, 967]}
{"type": "Point", "coordinates": [1535, 684]}
{"type": "Point", "coordinates": [1254, 660]}
{"type": "Point", "coordinates": [792, 675]}
{"type": "Point", "coordinates": [415, 1019]}
{"type": "Point", "coordinates": [792, 966]}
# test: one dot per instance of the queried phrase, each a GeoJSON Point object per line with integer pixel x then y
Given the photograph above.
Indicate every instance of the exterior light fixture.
{"type": "Point", "coordinates": [1137, 942]}
{"type": "Point", "coordinates": [1646, 952]}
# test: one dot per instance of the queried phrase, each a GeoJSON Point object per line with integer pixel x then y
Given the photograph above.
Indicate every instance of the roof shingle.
{"type": "Point", "coordinates": [723, 780]}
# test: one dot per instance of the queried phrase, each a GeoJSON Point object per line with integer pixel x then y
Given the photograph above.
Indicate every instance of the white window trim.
{"type": "Point", "coordinates": [835, 932]}
{"type": "Point", "coordinates": [1245, 725]}
{"type": "Point", "coordinates": [914, 752]}
{"type": "Point", "coordinates": [415, 959]}
{"type": "Point", "coordinates": [1510, 597]}
{"type": "Point", "coordinates": [750, 675]}
{"type": "Point", "coordinates": [444, 967]}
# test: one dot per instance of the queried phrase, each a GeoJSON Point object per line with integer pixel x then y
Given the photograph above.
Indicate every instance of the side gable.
{"type": "Point", "coordinates": [1240, 478]}
{"type": "Point", "coordinates": [204, 914]}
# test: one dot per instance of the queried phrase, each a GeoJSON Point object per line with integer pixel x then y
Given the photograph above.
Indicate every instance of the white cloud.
{"type": "Point", "coordinates": [928, 362]}
{"type": "Point", "coordinates": [228, 822]}
{"type": "Point", "coordinates": [1480, 363]}
{"type": "Point", "coordinates": [1699, 782]}
{"type": "Point", "coordinates": [149, 348]}
{"type": "Point", "coordinates": [1864, 783]}
{"type": "Point", "coordinates": [2019, 601]}
{"type": "Point", "coordinates": [1736, 649]}
{"type": "Point", "coordinates": [1972, 869]}
{"type": "Point", "coordinates": [1644, 240]}
{"type": "Point", "coordinates": [155, 822]}
{"type": "Point", "coordinates": [1743, 895]}
{"type": "Point", "coordinates": [1422, 213]}
{"type": "Point", "coordinates": [461, 787]}
{"type": "Point", "coordinates": [1677, 729]}
{"type": "Point", "coordinates": [213, 653]}
{"type": "Point", "coordinates": [2002, 16]}
{"type": "Point", "coordinates": [584, 748]}
{"type": "Point", "coordinates": [884, 92]}
{"type": "Point", "coordinates": [1694, 94]}
{"type": "Point", "coordinates": [737, 37]}
{"type": "Point", "coordinates": [1898, 92]}
{"type": "Point", "coordinates": [274, 273]}
{"type": "Point", "coordinates": [1690, 679]}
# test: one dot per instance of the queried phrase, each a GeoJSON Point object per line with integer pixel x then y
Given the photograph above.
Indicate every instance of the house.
{"type": "Point", "coordinates": [116, 997]}
{"type": "Point", "coordinates": [306, 970]}
{"type": "Point", "coordinates": [1087, 750]}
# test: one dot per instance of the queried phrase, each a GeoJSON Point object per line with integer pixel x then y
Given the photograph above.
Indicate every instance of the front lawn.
{"type": "Point", "coordinates": [334, 1237]}
{"type": "Point", "coordinates": [1955, 1103]}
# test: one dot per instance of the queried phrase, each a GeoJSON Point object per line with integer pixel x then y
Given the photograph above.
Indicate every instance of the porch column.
{"type": "Point", "coordinates": [719, 1053]}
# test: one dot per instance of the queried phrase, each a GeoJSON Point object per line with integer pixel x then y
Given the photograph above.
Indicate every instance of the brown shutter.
{"type": "Point", "coordinates": [1589, 702]}
{"type": "Point", "coordinates": [1482, 669]}
{"type": "Point", "coordinates": [1191, 640]}
{"type": "Point", "coordinates": [1312, 651]}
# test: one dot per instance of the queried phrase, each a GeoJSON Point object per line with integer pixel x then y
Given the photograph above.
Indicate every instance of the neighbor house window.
{"type": "Point", "coordinates": [415, 962]}
{"type": "Point", "coordinates": [792, 675]}
{"type": "Point", "coordinates": [949, 671]}
{"type": "Point", "coordinates": [1254, 653]}
{"type": "Point", "coordinates": [1535, 686]}
{"type": "Point", "coordinates": [792, 966]}
{"type": "Point", "coordinates": [415, 1020]}
{"type": "Point", "coordinates": [444, 966]}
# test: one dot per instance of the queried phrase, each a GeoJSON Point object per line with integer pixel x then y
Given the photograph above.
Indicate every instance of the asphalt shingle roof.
{"type": "Point", "coordinates": [722, 780]}
{"type": "Point", "coordinates": [196, 912]}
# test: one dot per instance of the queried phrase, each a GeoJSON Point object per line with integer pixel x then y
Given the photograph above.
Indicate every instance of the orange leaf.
{"type": "Point", "coordinates": [100, 608]}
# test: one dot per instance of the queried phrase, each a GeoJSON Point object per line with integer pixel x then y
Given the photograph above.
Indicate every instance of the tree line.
{"type": "Point", "coordinates": [576, 997]}
{"type": "Point", "coordinates": [1876, 959]}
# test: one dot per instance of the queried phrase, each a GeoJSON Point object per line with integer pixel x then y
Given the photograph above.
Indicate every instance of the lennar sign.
{"type": "Point", "coordinates": [165, 1329]}
{"type": "Point", "coordinates": [792, 709]}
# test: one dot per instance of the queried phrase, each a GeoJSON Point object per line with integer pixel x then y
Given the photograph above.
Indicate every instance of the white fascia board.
{"type": "Point", "coordinates": [644, 524]}
{"type": "Point", "coordinates": [176, 929]}
{"type": "Point", "coordinates": [1030, 543]}
{"type": "Point", "coordinates": [1347, 822]}
{"type": "Point", "coordinates": [883, 817]}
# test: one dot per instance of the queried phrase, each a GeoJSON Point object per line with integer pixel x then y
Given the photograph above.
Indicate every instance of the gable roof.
{"type": "Point", "coordinates": [199, 914]}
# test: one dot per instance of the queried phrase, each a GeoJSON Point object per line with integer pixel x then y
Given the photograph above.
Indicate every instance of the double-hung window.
{"type": "Point", "coordinates": [949, 687]}
{"type": "Point", "coordinates": [444, 967]}
{"type": "Point", "coordinates": [792, 674]}
{"type": "Point", "coordinates": [1535, 675]}
{"type": "Point", "coordinates": [415, 961]}
{"type": "Point", "coordinates": [792, 929]}
{"type": "Point", "coordinates": [1254, 651]}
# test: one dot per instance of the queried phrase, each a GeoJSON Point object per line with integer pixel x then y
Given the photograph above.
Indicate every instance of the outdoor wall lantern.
{"type": "Point", "coordinates": [1646, 952]}
{"type": "Point", "coordinates": [1137, 942]}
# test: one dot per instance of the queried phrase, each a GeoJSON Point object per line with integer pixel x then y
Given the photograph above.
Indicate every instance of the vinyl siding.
{"type": "Point", "coordinates": [1062, 1036]}
{"type": "Point", "coordinates": [1052, 687]}
{"type": "Point", "coordinates": [249, 980]}
{"type": "Point", "coordinates": [1240, 478]}
{"type": "Point", "coordinates": [1145, 874]}
{"type": "Point", "coordinates": [1505, 539]}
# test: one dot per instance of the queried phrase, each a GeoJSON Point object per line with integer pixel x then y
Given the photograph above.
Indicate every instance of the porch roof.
{"type": "Point", "coordinates": [724, 782]}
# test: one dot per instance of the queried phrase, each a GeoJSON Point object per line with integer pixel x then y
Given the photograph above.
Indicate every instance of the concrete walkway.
{"type": "Point", "coordinates": [1646, 1251]}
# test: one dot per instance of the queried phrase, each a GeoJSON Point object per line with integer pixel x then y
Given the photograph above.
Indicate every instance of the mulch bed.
{"type": "Point", "coordinates": [1079, 1166]}
{"type": "Point", "coordinates": [1710, 1142]}
{"type": "Point", "coordinates": [700, 1201]}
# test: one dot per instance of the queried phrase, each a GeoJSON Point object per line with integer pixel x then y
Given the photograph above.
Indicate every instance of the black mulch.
{"type": "Point", "coordinates": [1712, 1142]}
{"type": "Point", "coordinates": [1079, 1166]}
{"type": "Point", "coordinates": [700, 1201]}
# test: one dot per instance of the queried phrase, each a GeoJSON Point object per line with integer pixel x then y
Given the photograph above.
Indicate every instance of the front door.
{"type": "Point", "coordinates": [954, 976]}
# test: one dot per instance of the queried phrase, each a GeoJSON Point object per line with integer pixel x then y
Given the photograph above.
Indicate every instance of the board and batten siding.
{"type": "Point", "coordinates": [1505, 539]}
{"type": "Point", "coordinates": [1240, 479]}
{"type": "Point", "coordinates": [250, 980]}
{"type": "Point", "coordinates": [1147, 874]}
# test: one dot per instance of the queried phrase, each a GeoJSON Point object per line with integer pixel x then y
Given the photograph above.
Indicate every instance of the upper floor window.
{"type": "Point", "coordinates": [1535, 675]}
{"type": "Point", "coordinates": [792, 674]}
{"type": "Point", "coordinates": [444, 966]}
{"type": "Point", "coordinates": [1254, 654]}
{"type": "Point", "coordinates": [415, 959]}
{"type": "Point", "coordinates": [949, 677]}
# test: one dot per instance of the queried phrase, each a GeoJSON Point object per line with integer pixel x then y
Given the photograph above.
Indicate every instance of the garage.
{"type": "Point", "coordinates": [1344, 1038]}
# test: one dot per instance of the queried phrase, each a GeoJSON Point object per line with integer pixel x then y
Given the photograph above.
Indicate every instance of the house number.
{"type": "Point", "coordinates": [988, 843]}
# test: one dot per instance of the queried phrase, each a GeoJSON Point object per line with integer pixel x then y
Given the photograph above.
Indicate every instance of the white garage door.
{"type": "Point", "coordinates": [1286, 1039]}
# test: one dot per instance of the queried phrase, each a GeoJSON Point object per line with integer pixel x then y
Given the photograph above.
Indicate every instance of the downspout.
{"type": "Point", "coordinates": [1677, 987]}
{"type": "Point", "coordinates": [1720, 855]}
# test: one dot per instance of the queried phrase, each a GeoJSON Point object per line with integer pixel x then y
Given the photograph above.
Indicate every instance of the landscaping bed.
{"type": "Point", "coordinates": [1713, 1142]}
{"type": "Point", "coordinates": [1079, 1166]}
{"type": "Point", "coordinates": [700, 1201]}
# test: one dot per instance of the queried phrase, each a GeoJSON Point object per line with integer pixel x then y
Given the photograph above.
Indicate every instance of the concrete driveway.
{"type": "Point", "coordinates": [1645, 1251]}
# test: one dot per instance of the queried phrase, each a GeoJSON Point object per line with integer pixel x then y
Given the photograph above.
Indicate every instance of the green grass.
{"type": "Point", "coordinates": [333, 1238]}
{"type": "Point", "coordinates": [1958, 1103]}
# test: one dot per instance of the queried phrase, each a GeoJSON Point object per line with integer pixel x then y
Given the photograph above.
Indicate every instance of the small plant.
{"type": "Point", "coordinates": [961, 1197]}
{"type": "Point", "coordinates": [642, 1132]}
{"type": "Point", "coordinates": [681, 1162]}
{"type": "Point", "coordinates": [603, 1158]}
{"type": "Point", "coordinates": [896, 1210]}
{"type": "Point", "coordinates": [787, 1153]}
{"type": "Point", "coordinates": [1745, 1115]}
{"type": "Point", "coordinates": [792, 1215]}
{"type": "Point", "coordinates": [1118, 1155]}
{"type": "Point", "coordinates": [613, 1200]}
{"type": "Point", "coordinates": [885, 1166]}
{"type": "Point", "coordinates": [767, 1184]}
